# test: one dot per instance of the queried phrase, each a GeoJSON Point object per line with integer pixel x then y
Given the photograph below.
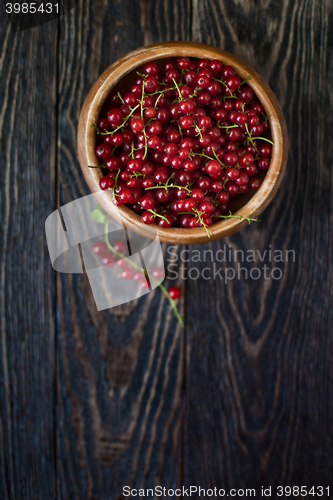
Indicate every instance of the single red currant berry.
{"type": "Point", "coordinates": [106, 182]}
{"type": "Point", "coordinates": [251, 170]}
{"type": "Point", "coordinates": [223, 197]}
{"type": "Point", "coordinates": [149, 113]}
{"type": "Point", "coordinates": [174, 292]}
{"type": "Point", "coordinates": [170, 75]}
{"type": "Point", "coordinates": [186, 121]}
{"type": "Point", "coordinates": [115, 117]}
{"type": "Point", "coordinates": [183, 62]}
{"type": "Point", "coordinates": [240, 118]}
{"type": "Point", "coordinates": [190, 77]}
{"type": "Point", "coordinates": [158, 273]}
{"type": "Point", "coordinates": [137, 124]}
{"type": "Point", "coordinates": [257, 108]}
{"type": "Point", "coordinates": [131, 99]}
{"type": "Point", "coordinates": [174, 136]}
{"type": "Point", "coordinates": [243, 179]}
{"type": "Point", "coordinates": [190, 204]}
{"type": "Point", "coordinates": [147, 201]}
{"type": "Point", "coordinates": [153, 141]}
{"type": "Point", "coordinates": [189, 165]}
{"type": "Point", "coordinates": [265, 150]}
{"type": "Point", "coordinates": [213, 167]}
{"type": "Point", "coordinates": [112, 163]}
{"type": "Point", "coordinates": [151, 69]}
{"type": "Point", "coordinates": [103, 151]}
{"type": "Point", "coordinates": [139, 276]}
{"type": "Point", "coordinates": [232, 173]}
{"type": "Point", "coordinates": [243, 189]}
{"type": "Point", "coordinates": [203, 81]}
{"type": "Point", "coordinates": [215, 66]}
{"type": "Point", "coordinates": [125, 195]}
{"type": "Point", "coordinates": [169, 64]}
{"type": "Point", "coordinates": [127, 273]}
{"type": "Point", "coordinates": [134, 165]}
{"type": "Point", "coordinates": [232, 188]}
{"type": "Point", "coordinates": [204, 98]}
{"type": "Point", "coordinates": [177, 162]}
{"type": "Point", "coordinates": [161, 175]}
{"type": "Point", "coordinates": [234, 134]}
{"type": "Point", "coordinates": [253, 120]}
{"type": "Point", "coordinates": [187, 106]}
{"type": "Point", "coordinates": [108, 259]}
{"type": "Point", "coordinates": [217, 186]}
{"type": "Point", "coordinates": [255, 183]}
{"type": "Point", "coordinates": [163, 115]}
{"type": "Point", "coordinates": [203, 183]}
{"type": "Point", "coordinates": [100, 248]}
{"type": "Point", "coordinates": [155, 128]}
{"type": "Point", "coordinates": [230, 158]}
{"type": "Point", "coordinates": [263, 164]}
{"type": "Point", "coordinates": [194, 222]}
{"type": "Point", "coordinates": [204, 140]}
{"type": "Point", "coordinates": [246, 94]}
{"type": "Point", "coordinates": [257, 129]}
{"type": "Point", "coordinates": [167, 222]}
{"type": "Point", "coordinates": [206, 206]}
{"type": "Point", "coordinates": [227, 71]}
{"type": "Point", "coordinates": [103, 124]}
{"type": "Point", "coordinates": [150, 84]}
{"type": "Point", "coordinates": [246, 159]}
{"type": "Point", "coordinates": [233, 82]}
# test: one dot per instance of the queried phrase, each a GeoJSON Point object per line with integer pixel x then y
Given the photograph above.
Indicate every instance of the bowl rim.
{"type": "Point", "coordinates": [120, 68]}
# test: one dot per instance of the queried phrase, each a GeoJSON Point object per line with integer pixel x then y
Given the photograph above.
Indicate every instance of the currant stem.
{"type": "Point", "coordinates": [244, 81]}
{"type": "Point", "coordinates": [264, 139]}
{"type": "Point", "coordinates": [157, 215]}
{"type": "Point", "coordinates": [240, 217]}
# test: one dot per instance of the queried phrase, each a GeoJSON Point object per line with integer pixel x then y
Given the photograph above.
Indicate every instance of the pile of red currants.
{"type": "Point", "coordinates": [187, 138]}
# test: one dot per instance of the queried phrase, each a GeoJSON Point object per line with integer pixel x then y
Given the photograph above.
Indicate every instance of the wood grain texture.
{"type": "Point", "coordinates": [259, 380]}
{"type": "Point", "coordinates": [27, 356]}
{"type": "Point", "coordinates": [119, 372]}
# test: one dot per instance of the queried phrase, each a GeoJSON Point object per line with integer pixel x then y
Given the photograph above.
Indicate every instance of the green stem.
{"type": "Point", "coordinates": [120, 126]}
{"type": "Point", "coordinates": [246, 80]}
{"type": "Point", "coordinates": [264, 139]}
{"type": "Point", "coordinates": [240, 217]}
{"type": "Point", "coordinates": [170, 186]}
{"type": "Point", "coordinates": [199, 215]}
{"type": "Point", "coordinates": [179, 93]}
{"type": "Point", "coordinates": [157, 215]}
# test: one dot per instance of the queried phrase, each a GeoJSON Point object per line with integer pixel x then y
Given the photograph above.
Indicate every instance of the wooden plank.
{"type": "Point", "coordinates": [120, 372]}
{"type": "Point", "coordinates": [27, 307]}
{"type": "Point", "coordinates": [258, 380]}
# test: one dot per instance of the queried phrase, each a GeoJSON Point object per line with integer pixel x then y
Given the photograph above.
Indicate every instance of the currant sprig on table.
{"type": "Point", "coordinates": [188, 138]}
{"type": "Point", "coordinates": [115, 255]}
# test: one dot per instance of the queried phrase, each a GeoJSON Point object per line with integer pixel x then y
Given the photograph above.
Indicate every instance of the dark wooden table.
{"type": "Point", "coordinates": [242, 397]}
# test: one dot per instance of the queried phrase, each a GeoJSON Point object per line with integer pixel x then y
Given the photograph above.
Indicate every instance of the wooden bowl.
{"type": "Point", "coordinates": [118, 75]}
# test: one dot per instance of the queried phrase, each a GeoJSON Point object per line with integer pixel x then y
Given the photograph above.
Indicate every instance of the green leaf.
{"type": "Point", "coordinates": [98, 214]}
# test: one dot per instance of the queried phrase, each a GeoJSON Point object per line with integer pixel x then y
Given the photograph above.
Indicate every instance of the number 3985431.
{"type": "Point", "coordinates": [32, 8]}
